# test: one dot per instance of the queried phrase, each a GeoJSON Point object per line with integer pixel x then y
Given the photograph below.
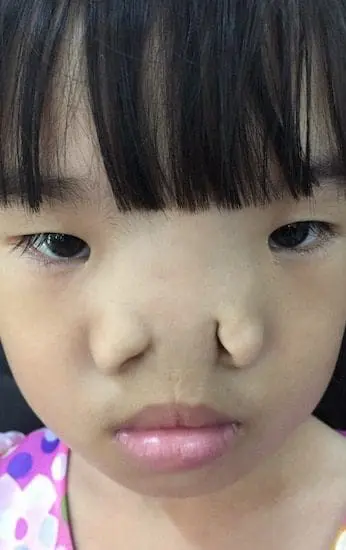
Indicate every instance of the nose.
{"type": "Point", "coordinates": [124, 339]}
{"type": "Point", "coordinates": [241, 339]}
{"type": "Point", "coordinates": [179, 337]}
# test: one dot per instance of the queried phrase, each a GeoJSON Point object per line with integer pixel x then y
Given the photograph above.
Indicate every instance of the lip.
{"type": "Point", "coordinates": [176, 437]}
{"type": "Point", "coordinates": [170, 416]}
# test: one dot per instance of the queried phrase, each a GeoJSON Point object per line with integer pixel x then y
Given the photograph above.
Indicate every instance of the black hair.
{"type": "Point", "coordinates": [192, 100]}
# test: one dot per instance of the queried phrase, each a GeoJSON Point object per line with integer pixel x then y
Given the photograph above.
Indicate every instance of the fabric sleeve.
{"type": "Point", "coordinates": [8, 440]}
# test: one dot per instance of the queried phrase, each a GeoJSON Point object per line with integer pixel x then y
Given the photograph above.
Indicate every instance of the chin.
{"type": "Point", "coordinates": [197, 483]}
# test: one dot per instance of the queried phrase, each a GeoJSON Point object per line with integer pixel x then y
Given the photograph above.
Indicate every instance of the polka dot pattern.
{"type": "Point", "coordinates": [59, 467]}
{"type": "Point", "coordinates": [20, 465]}
{"type": "Point", "coordinates": [48, 532]}
{"type": "Point", "coordinates": [21, 528]}
{"type": "Point", "coordinates": [49, 442]}
{"type": "Point", "coordinates": [33, 494]}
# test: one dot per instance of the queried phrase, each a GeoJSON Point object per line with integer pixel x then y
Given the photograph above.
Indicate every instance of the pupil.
{"type": "Point", "coordinates": [292, 235]}
{"type": "Point", "coordinates": [64, 245]}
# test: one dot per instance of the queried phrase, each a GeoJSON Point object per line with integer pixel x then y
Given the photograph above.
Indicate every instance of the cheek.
{"type": "Point", "coordinates": [48, 369]}
{"type": "Point", "coordinates": [307, 322]}
{"type": "Point", "coordinates": [34, 327]}
{"type": "Point", "coordinates": [40, 361]}
{"type": "Point", "coordinates": [43, 343]}
{"type": "Point", "coordinates": [39, 309]}
{"type": "Point", "coordinates": [298, 371]}
{"type": "Point", "coordinates": [318, 286]}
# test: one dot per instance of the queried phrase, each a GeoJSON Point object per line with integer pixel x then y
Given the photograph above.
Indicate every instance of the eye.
{"type": "Point", "coordinates": [301, 236]}
{"type": "Point", "coordinates": [54, 247]}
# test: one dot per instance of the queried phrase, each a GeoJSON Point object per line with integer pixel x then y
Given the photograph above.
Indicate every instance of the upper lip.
{"type": "Point", "coordinates": [176, 416]}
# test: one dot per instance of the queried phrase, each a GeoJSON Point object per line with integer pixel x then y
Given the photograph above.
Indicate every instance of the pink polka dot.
{"type": "Point", "coordinates": [21, 529]}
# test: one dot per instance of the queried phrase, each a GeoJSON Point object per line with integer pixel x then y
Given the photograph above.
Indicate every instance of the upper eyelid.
{"type": "Point", "coordinates": [325, 230]}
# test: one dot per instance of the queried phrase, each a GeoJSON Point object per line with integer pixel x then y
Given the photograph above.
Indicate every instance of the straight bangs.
{"type": "Point", "coordinates": [193, 102]}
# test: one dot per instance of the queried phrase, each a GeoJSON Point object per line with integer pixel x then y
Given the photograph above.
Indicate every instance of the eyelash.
{"type": "Point", "coordinates": [323, 231]}
{"type": "Point", "coordinates": [28, 244]}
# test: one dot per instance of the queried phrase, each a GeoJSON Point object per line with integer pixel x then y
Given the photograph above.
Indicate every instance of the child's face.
{"type": "Point", "coordinates": [162, 308]}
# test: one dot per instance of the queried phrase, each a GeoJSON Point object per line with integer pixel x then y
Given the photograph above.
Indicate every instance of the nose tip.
{"type": "Point", "coordinates": [114, 350]}
{"type": "Point", "coordinates": [232, 337]}
{"type": "Point", "coordinates": [240, 345]}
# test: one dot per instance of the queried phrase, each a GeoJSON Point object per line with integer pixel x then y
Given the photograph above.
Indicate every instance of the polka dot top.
{"type": "Point", "coordinates": [33, 496]}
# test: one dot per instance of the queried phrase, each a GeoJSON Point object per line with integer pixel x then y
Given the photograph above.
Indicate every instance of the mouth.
{"type": "Point", "coordinates": [157, 417]}
{"type": "Point", "coordinates": [176, 437]}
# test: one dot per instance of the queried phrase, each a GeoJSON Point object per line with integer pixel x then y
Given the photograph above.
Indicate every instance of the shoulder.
{"type": "Point", "coordinates": [33, 480]}
{"type": "Point", "coordinates": [37, 464]}
{"type": "Point", "coordinates": [32, 451]}
{"type": "Point", "coordinates": [9, 440]}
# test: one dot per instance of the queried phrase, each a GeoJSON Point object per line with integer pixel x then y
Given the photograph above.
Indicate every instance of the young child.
{"type": "Point", "coordinates": [192, 154]}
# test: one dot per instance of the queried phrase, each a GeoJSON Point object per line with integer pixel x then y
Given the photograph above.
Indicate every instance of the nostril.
{"type": "Point", "coordinates": [225, 360]}
{"type": "Point", "coordinates": [221, 348]}
{"type": "Point", "coordinates": [133, 361]}
{"type": "Point", "coordinates": [120, 345]}
{"type": "Point", "coordinates": [224, 356]}
{"type": "Point", "coordinates": [239, 345]}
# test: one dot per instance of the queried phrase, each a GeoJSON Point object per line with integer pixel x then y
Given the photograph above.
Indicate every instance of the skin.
{"type": "Point", "coordinates": [176, 307]}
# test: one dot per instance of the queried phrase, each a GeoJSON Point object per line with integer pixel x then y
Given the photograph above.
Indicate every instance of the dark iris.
{"type": "Point", "coordinates": [64, 246]}
{"type": "Point", "coordinates": [292, 235]}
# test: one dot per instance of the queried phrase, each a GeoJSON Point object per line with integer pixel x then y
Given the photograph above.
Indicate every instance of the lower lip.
{"type": "Point", "coordinates": [177, 449]}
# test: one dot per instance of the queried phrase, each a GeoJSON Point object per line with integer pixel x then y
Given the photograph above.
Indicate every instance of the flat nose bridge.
{"type": "Point", "coordinates": [156, 312]}
{"type": "Point", "coordinates": [176, 305]}
{"type": "Point", "coordinates": [213, 311]}
{"type": "Point", "coordinates": [182, 313]}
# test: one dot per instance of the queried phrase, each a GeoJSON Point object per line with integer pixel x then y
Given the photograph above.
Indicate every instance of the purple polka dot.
{"type": "Point", "coordinates": [20, 465]}
{"type": "Point", "coordinates": [49, 445]}
{"type": "Point", "coordinates": [21, 529]}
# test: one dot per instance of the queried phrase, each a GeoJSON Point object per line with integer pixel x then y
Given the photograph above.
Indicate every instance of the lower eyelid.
{"type": "Point", "coordinates": [27, 246]}
{"type": "Point", "coordinates": [325, 234]}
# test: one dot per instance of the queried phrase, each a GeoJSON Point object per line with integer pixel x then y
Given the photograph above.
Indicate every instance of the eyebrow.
{"type": "Point", "coordinates": [54, 190]}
